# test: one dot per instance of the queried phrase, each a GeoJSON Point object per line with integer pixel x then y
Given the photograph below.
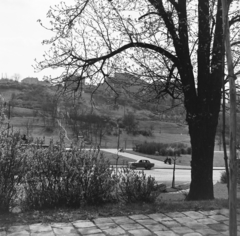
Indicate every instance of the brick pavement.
{"type": "Point", "coordinates": [189, 223]}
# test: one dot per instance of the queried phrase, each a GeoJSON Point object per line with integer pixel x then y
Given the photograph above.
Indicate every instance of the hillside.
{"type": "Point", "coordinates": [39, 111]}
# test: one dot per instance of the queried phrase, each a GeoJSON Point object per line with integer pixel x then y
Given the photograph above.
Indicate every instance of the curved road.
{"type": "Point", "coordinates": [163, 173]}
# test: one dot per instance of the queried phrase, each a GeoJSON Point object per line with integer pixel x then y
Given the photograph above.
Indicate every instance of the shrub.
{"type": "Point", "coordinates": [57, 178]}
{"type": "Point", "coordinates": [147, 148]}
{"type": "Point", "coordinates": [223, 177]}
{"type": "Point", "coordinates": [146, 133]}
{"type": "Point", "coordinates": [183, 151]}
{"type": "Point", "coordinates": [178, 145]}
{"type": "Point", "coordinates": [189, 150]}
{"type": "Point", "coordinates": [163, 152]}
{"type": "Point", "coordinates": [170, 152]}
{"type": "Point", "coordinates": [177, 153]}
{"type": "Point", "coordinates": [52, 177]}
{"type": "Point", "coordinates": [136, 186]}
{"type": "Point", "coordinates": [11, 169]}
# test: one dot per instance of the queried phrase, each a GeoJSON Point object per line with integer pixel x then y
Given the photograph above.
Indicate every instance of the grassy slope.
{"type": "Point", "coordinates": [163, 131]}
{"type": "Point", "coordinates": [128, 141]}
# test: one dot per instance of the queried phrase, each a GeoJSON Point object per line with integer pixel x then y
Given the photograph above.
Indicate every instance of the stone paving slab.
{"type": "Point", "coordinates": [115, 231]}
{"type": "Point", "coordinates": [102, 220]}
{"type": "Point", "coordinates": [165, 233]}
{"type": "Point", "coordinates": [185, 220]}
{"type": "Point", "coordinates": [138, 217]}
{"type": "Point", "coordinates": [83, 224]}
{"type": "Point", "coordinates": [157, 227]}
{"type": "Point", "coordinates": [182, 230]}
{"type": "Point", "coordinates": [194, 215]}
{"type": "Point", "coordinates": [89, 231]}
{"type": "Point", "coordinates": [170, 224]}
{"type": "Point", "coordinates": [189, 223]}
{"type": "Point", "coordinates": [132, 226]}
{"type": "Point", "coordinates": [175, 214]}
{"type": "Point", "coordinates": [47, 233]}
{"type": "Point", "coordinates": [207, 231]}
{"type": "Point", "coordinates": [142, 232]}
{"type": "Point", "coordinates": [159, 217]}
{"type": "Point", "coordinates": [147, 222]}
{"type": "Point", "coordinates": [123, 220]}
{"type": "Point", "coordinates": [207, 221]}
{"type": "Point", "coordinates": [107, 226]}
{"type": "Point", "coordinates": [219, 217]}
{"type": "Point", "coordinates": [39, 228]}
{"type": "Point", "coordinates": [20, 233]}
{"type": "Point", "coordinates": [67, 230]}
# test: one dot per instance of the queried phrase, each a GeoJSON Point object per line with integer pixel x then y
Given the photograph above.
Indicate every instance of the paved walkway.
{"type": "Point", "coordinates": [189, 223]}
{"type": "Point", "coordinates": [158, 164]}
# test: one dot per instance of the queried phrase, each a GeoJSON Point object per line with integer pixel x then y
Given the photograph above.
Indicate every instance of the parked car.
{"type": "Point", "coordinates": [141, 164]}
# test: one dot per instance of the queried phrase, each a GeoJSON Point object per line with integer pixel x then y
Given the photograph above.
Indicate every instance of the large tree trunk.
{"type": "Point", "coordinates": [202, 132]}
{"type": "Point", "coordinates": [203, 108]}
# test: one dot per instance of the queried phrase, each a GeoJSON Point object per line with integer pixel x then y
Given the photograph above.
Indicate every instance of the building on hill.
{"type": "Point", "coordinates": [35, 81]}
{"type": "Point", "coordinates": [44, 83]}
{"type": "Point", "coordinates": [74, 83]}
{"type": "Point", "coordinates": [73, 86]}
{"type": "Point", "coordinates": [5, 81]}
{"type": "Point", "coordinates": [30, 80]}
{"type": "Point", "coordinates": [122, 84]}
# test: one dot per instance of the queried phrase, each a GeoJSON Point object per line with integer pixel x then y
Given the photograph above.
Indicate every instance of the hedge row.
{"type": "Point", "coordinates": [163, 149]}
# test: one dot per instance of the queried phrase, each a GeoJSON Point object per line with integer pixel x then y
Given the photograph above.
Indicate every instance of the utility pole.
{"type": "Point", "coordinates": [233, 123]}
{"type": "Point", "coordinates": [174, 168]}
{"type": "Point", "coordinates": [9, 116]}
{"type": "Point", "coordinates": [118, 143]}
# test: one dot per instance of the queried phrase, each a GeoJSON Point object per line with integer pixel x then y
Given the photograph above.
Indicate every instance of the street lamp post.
{"type": "Point", "coordinates": [9, 116]}
{"type": "Point", "coordinates": [118, 142]}
{"type": "Point", "coordinates": [233, 122]}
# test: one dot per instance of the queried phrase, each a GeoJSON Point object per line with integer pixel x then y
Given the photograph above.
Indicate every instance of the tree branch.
{"type": "Point", "coordinates": [234, 20]}
{"type": "Point", "coordinates": [167, 19]}
{"type": "Point", "coordinates": [147, 14]}
{"type": "Point", "coordinates": [235, 43]}
{"type": "Point", "coordinates": [175, 4]}
{"type": "Point", "coordinates": [127, 46]}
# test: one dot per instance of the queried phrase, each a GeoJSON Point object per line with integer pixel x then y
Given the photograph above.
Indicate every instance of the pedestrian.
{"type": "Point", "coordinates": [24, 138]}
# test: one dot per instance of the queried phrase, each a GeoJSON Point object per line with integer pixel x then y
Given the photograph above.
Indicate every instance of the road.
{"type": "Point", "coordinates": [163, 173]}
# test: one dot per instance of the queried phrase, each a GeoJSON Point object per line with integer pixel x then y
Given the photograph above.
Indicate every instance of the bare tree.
{"type": "Point", "coordinates": [29, 126]}
{"type": "Point", "coordinates": [49, 106]}
{"type": "Point", "coordinates": [175, 47]}
{"type": "Point", "coordinates": [130, 123]}
{"type": "Point", "coordinates": [16, 77]}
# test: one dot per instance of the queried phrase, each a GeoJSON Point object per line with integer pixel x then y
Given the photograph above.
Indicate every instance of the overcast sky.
{"type": "Point", "coordinates": [21, 36]}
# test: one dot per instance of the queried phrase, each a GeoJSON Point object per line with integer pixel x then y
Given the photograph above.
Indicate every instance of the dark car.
{"type": "Point", "coordinates": [141, 164]}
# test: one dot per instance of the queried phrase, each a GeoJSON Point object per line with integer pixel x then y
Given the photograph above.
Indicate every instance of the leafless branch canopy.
{"type": "Point", "coordinates": [157, 41]}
